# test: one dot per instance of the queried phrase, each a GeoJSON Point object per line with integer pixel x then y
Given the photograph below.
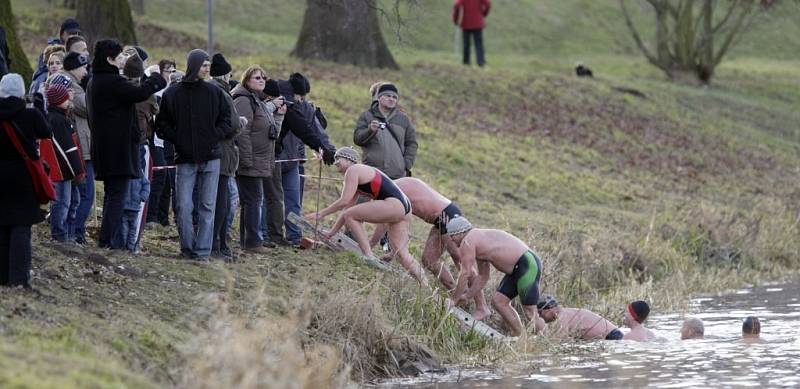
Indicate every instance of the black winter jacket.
{"type": "Point", "coordinates": [195, 117]}
{"type": "Point", "coordinates": [111, 102]}
{"type": "Point", "coordinates": [18, 204]}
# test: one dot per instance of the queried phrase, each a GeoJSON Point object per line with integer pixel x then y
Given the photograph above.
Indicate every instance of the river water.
{"type": "Point", "coordinates": [719, 360]}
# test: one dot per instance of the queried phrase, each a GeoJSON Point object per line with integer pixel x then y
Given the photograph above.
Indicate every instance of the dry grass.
{"type": "Point", "coordinates": [246, 348]}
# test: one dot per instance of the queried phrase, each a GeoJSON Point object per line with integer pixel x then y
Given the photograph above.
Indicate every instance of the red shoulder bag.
{"type": "Point", "coordinates": [42, 184]}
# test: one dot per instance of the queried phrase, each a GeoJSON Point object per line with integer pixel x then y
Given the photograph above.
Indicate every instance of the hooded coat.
{"type": "Point", "coordinates": [18, 203]}
{"type": "Point", "coordinates": [257, 140]}
{"type": "Point", "coordinates": [111, 102]}
{"type": "Point", "coordinates": [194, 116]}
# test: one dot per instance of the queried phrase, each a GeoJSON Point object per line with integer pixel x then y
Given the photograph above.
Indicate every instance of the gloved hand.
{"type": "Point", "coordinates": [327, 156]}
{"type": "Point", "coordinates": [157, 81]}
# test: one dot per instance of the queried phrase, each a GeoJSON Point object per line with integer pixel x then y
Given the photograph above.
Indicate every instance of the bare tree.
{"type": "Point", "coordinates": [106, 19]}
{"type": "Point", "coordinates": [690, 39]}
{"type": "Point", "coordinates": [343, 31]}
{"type": "Point", "coordinates": [19, 62]}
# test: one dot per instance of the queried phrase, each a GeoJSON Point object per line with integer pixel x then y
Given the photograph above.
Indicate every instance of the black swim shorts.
{"type": "Point", "coordinates": [448, 214]}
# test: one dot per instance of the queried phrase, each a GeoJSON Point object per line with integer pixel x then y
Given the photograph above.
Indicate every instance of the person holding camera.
{"type": "Point", "coordinates": [386, 135]}
{"type": "Point", "coordinates": [256, 152]}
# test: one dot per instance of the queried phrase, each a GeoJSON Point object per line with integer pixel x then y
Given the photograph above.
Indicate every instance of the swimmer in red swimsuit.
{"type": "Point", "coordinates": [389, 205]}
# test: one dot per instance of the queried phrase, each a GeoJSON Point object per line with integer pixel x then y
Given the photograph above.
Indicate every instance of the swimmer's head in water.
{"type": "Point", "coordinates": [458, 225]}
{"type": "Point", "coordinates": [751, 326]}
{"type": "Point", "coordinates": [693, 328]}
{"type": "Point", "coordinates": [347, 153]}
{"type": "Point", "coordinates": [639, 310]}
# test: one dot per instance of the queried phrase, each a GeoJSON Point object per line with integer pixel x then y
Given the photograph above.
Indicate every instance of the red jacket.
{"type": "Point", "coordinates": [471, 13]}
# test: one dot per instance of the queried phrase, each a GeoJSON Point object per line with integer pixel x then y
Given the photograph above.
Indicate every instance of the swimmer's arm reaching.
{"type": "Point", "coordinates": [467, 272]}
{"type": "Point", "coordinates": [346, 199]}
{"type": "Point", "coordinates": [479, 282]}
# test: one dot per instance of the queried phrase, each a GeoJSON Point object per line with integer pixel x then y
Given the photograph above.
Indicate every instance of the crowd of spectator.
{"type": "Point", "coordinates": [157, 138]}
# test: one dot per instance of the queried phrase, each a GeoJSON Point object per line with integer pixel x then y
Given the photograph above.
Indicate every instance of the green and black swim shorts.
{"type": "Point", "coordinates": [524, 280]}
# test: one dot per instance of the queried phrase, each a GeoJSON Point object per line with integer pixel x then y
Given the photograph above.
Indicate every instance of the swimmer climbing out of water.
{"type": "Point", "coordinates": [692, 328]}
{"type": "Point", "coordinates": [575, 323]}
{"type": "Point", "coordinates": [477, 249]}
{"type": "Point", "coordinates": [389, 205]}
{"type": "Point", "coordinates": [435, 209]}
{"type": "Point", "coordinates": [635, 315]}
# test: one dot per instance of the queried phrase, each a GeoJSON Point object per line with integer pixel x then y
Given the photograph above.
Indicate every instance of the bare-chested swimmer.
{"type": "Point", "coordinates": [576, 323]}
{"type": "Point", "coordinates": [635, 315]}
{"type": "Point", "coordinates": [477, 249]}
{"type": "Point", "coordinates": [435, 209]}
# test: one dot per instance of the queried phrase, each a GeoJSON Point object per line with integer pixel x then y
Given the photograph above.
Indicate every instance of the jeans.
{"type": "Point", "coordinates": [251, 195]}
{"type": "Point", "coordinates": [233, 196]}
{"type": "Point", "coordinates": [477, 35]}
{"type": "Point", "coordinates": [15, 255]}
{"type": "Point", "coordinates": [196, 242]}
{"type": "Point", "coordinates": [86, 204]}
{"type": "Point", "coordinates": [63, 210]}
{"type": "Point", "coordinates": [113, 206]}
{"type": "Point", "coordinates": [130, 229]}
{"type": "Point", "coordinates": [292, 198]}
{"type": "Point", "coordinates": [220, 242]}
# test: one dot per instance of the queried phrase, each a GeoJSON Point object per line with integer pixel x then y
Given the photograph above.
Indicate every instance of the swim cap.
{"type": "Point", "coordinates": [347, 153]}
{"type": "Point", "coordinates": [458, 225]}
{"type": "Point", "coordinates": [751, 326]}
{"type": "Point", "coordinates": [546, 302]}
{"type": "Point", "coordinates": [639, 310]}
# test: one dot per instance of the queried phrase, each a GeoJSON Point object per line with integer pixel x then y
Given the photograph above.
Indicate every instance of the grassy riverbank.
{"type": "Point", "coordinates": [687, 190]}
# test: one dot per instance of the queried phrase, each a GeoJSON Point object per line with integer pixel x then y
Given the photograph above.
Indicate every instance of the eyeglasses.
{"type": "Point", "coordinates": [258, 78]}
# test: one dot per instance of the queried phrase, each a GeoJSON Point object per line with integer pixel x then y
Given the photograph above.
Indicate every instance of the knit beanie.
{"type": "Point", "coordinates": [347, 153]}
{"type": "Point", "coordinates": [219, 66]}
{"type": "Point", "coordinates": [12, 85]}
{"type": "Point", "coordinates": [386, 89]}
{"type": "Point", "coordinates": [300, 84]}
{"type": "Point", "coordinates": [639, 310]}
{"type": "Point", "coordinates": [70, 25]}
{"type": "Point", "coordinates": [75, 60]}
{"type": "Point", "coordinates": [58, 91]}
{"type": "Point", "coordinates": [134, 67]}
{"type": "Point", "coordinates": [458, 225]}
{"type": "Point", "coordinates": [271, 88]}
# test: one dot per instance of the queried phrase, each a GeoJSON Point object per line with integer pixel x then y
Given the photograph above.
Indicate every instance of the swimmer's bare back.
{"type": "Point", "coordinates": [426, 203]}
{"type": "Point", "coordinates": [498, 247]}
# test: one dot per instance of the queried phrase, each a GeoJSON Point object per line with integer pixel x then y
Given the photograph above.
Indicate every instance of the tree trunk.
{"type": "Point", "coordinates": [137, 6]}
{"type": "Point", "coordinates": [19, 62]}
{"type": "Point", "coordinates": [104, 19]}
{"type": "Point", "coordinates": [343, 31]}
